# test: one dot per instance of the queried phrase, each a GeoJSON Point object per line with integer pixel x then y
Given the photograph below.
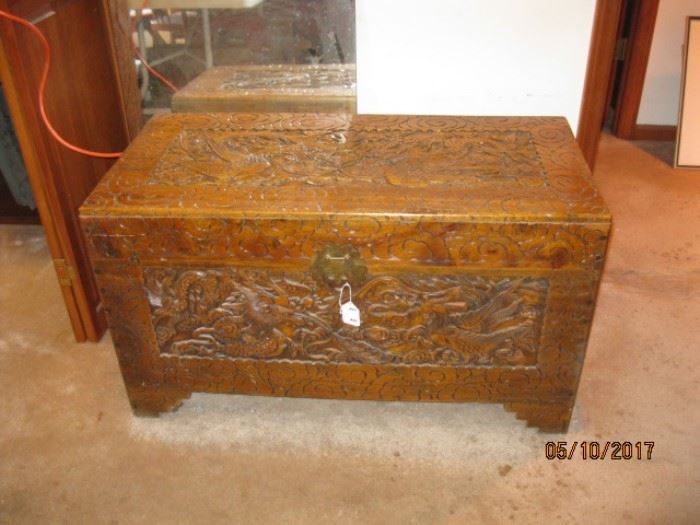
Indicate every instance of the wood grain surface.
{"type": "Point", "coordinates": [481, 242]}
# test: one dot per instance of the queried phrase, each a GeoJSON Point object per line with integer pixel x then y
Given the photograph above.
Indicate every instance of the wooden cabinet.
{"type": "Point", "coordinates": [85, 102]}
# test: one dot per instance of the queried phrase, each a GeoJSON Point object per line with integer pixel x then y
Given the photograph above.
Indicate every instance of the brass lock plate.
{"type": "Point", "coordinates": [337, 264]}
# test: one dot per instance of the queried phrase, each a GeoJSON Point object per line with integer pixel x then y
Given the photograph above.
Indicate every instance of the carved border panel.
{"type": "Point", "coordinates": [408, 319]}
{"type": "Point", "coordinates": [379, 241]}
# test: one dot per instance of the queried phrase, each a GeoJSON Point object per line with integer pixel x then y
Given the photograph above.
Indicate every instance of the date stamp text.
{"type": "Point", "coordinates": [599, 450]}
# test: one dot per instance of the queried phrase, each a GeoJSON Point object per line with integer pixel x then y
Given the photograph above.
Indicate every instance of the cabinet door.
{"type": "Point", "coordinates": [85, 103]}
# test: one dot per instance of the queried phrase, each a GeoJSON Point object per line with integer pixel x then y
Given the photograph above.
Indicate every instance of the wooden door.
{"type": "Point", "coordinates": [599, 75]}
{"type": "Point", "coordinates": [85, 102]}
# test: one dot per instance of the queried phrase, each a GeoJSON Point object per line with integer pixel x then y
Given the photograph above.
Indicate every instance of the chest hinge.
{"type": "Point", "coordinates": [65, 272]}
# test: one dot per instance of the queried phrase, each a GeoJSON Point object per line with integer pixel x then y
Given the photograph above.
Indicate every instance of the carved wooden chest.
{"type": "Point", "coordinates": [472, 248]}
{"type": "Point", "coordinates": [301, 87]}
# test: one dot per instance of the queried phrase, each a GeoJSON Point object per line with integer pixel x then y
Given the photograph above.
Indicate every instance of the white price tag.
{"type": "Point", "coordinates": [349, 313]}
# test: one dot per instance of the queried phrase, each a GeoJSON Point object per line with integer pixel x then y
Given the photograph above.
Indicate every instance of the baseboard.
{"type": "Point", "coordinates": [653, 132]}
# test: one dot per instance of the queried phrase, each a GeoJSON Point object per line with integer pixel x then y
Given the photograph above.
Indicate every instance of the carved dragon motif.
{"type": "Point", "coordinates": [328, 158]}
{"type": "Point", "coordinates": [419, 319]}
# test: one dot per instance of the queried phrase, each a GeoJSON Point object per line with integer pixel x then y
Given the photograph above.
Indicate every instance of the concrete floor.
{"type": "Point", "coordinates": [71, 452]}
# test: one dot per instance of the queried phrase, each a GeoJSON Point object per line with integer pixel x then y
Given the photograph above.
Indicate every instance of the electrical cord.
{"type": "Point", "coordinates": [42, 89]}
{"type": "Point", "coordinates": [137, 52]}
{"type": "Point", "coordinates": [45, 74]}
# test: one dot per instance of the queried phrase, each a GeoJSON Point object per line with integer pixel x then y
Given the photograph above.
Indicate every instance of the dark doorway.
{"type": "Point", "coordinates": [633, 45]}
{"type": "Point", "coordinates": [622, 46]}
{"type": "Point", "coordinates": [17, 204]}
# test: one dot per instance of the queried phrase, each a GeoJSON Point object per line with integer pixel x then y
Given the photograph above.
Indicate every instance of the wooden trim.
{"type": "Point", "coordinates": [84, 100]}
{"type": "Point", "coordinates": [683, 90]}
{"type": "Point", "coordinates": [34, 154]}
{"type": "Point", "coordinates": [600, 63]}
{"type": "Point", "coordinates": [653, 132]}
{"type": "Point", "coordinates": [117, 25]}
{"type": "Point", "coordinates": [633, 76]}
{"type": "Point", "coordinates": [611, 92]}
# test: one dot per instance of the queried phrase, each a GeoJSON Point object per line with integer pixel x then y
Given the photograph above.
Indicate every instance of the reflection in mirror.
{"type": "Point", "coordinates": [229, 55]}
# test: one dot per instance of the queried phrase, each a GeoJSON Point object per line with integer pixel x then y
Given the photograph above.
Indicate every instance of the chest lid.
{"type": "Point", "coordinates": [316, 166]}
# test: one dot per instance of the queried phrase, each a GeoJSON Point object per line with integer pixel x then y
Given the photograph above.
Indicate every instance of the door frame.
{"type": "Point", "coordinates": [601, 60]}
{"type": "Point", "coordinates": [634, 72]}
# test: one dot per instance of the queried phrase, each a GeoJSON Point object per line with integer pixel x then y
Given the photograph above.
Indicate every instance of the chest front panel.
{"type": "Point", "coordinates": [406, 319]}
{"type": "Point", "coordinates": [435, 296]}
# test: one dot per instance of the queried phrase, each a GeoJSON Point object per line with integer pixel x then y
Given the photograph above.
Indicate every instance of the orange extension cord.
{"type": "Point", "coordinates": [45, 75]}
{"type": "Point", "coordinates": [137, 52]}
{"type": "Point", "coordinates": [42, 89]}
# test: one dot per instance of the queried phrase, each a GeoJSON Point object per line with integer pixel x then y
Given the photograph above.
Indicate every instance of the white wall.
{"type": "Point", "coordinates": [473, 57]}
{"type": "Point", "coordinates": [662, 84]}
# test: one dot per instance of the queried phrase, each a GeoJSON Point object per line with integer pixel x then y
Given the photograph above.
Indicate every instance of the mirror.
{"type": "Point", "coordinates": [282, 46]}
